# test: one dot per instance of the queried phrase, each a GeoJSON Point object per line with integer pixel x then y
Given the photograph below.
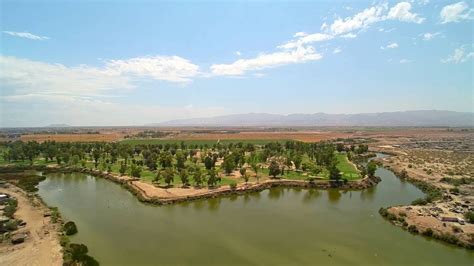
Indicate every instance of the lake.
{"type": "Point", "coordinates": [280, 226]}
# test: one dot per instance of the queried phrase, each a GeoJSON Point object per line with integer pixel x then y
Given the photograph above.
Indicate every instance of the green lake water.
{"type": "Point", "coordinates": [274, 227]}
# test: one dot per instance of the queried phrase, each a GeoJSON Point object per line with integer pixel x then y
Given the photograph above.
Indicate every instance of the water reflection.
{"type": "Point", "coordinates": [311, 195]}
{"type": "Point", "coordinates": [198, 204]}
{"type": "Point", "coordinates": [367, 194]}
{"type": "Point", "coordinates": [334, 195]}
{"type": "Point", "coordinates": [213, 204]}
{"type": "Point", "coordinates": [246, 198]}
{"type": "Point", "coordinates": [275, 193]}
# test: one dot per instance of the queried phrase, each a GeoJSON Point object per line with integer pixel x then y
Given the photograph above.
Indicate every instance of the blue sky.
{"type": "Point", "coordinates": [131, 63]}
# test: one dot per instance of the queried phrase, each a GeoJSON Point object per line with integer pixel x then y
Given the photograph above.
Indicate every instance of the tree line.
{"type": "Point", "coordinates": [187, 161]}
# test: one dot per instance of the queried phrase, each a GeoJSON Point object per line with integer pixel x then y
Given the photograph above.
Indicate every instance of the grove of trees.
{"type": "Point", "coordinates": [189, 163]}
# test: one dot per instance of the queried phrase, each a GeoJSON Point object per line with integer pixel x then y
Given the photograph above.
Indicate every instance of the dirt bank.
{"type": "Point", "coordinates": [41, 247]}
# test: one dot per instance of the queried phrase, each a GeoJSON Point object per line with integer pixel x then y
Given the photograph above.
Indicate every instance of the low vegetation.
{"type": "Point", "coordinates": [70, 228]}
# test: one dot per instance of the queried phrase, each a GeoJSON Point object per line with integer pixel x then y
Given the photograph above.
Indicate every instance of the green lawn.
{"type": "Point", "coordinates": [348, 169]}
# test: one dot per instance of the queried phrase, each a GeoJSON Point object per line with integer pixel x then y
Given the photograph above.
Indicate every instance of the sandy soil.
{"type": "Point", "coordinates": [429, 216]}
{"type": "Point", "coordinates": [41, 247]}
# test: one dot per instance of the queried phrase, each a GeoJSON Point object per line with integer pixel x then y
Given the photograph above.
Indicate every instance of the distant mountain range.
{"type": "Point", "coordinates": [423, 118]}
{"type": "Point", "coordinates": [58, 125]}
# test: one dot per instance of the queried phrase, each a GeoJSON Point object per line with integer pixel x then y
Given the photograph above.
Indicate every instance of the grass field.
{"type": "Point", "coordinates": [348, 169]}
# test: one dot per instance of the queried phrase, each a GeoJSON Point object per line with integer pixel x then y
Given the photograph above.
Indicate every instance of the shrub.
{"type": "Point", "coordinates": [404, 174]}
{"type": "Point", "coordinates": [70, 228]}
{"type": "Point", "coordinates": [448, 238]}
{"type": "Point", "coordinates": [412, 229]}
{"type": "Point", "coordinates": [64, 241]}
{"type": "Point", "coordinates": [11, 225]}
{"type": "Point", "coordinates": [469, 216]}
{"type": "Point", "coordinates": [457, 181]}
{"type": "Point", "coordinates": [9, 211]}
{"type": "Point", "coordinates": [383, 212]}
{"type": "Point", "coordinates": [419, 202]}
{"type": "Point", "coordinates": [454, 190]}
{"type": "Point", "coordinates": [54, 214]}
{"type": "Point", "coordinates": [76, 254]}
{"type": "Point", "coordinates": [457, 229]}
{"type": "Point", "coordinates": [391, 217]}
{"type": "Point", "coordinates": [30, 183]}
{"type": "Point", "coordinates": [428, 232]}
{"type": "Point", "coordinates": [233, 186]}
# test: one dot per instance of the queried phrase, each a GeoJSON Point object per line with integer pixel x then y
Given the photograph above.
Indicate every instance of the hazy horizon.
{"type": "Point", "coordinates": [123, 63]}
{"type": "Point", "coordinates": [169, 123]}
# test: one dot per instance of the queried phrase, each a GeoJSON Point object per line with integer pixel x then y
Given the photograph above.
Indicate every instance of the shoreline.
{"type": "Point", "coordinates": [149, 193]}
{"type": "Point", "coordinates": [426, 219]}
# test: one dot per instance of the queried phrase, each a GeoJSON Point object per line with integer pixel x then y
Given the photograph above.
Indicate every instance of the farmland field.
{"type": "Point", "coordinates": [197, 141]}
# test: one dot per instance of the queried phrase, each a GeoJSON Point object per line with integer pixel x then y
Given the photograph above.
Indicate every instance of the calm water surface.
{"type": "Point", "coordinates": [273, 227]}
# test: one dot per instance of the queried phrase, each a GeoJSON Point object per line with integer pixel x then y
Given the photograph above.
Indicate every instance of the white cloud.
{"type": "Point", "coordinates": [300, 34]}
{"type": "Point", "coordinates": [26, 35]}
{"type": "Point", "coordinates": [386, 30]}
{"type": "Point", "coordinates": [349, 36]}
{"type": "Point", "coordinates": [459, 56]}
{"type": "Point", "coordinates": [401, 11]}
{"type": "Point", "coordinates": [238, 53]}
{"type": "Point", "coordinates": [392, 45]}
{"type": "Point", "coordinates": [405, 61]}
{"type": "Point", "coordinates": [23, 76]}
{"type": "Point", "coordinates": [306, 39]}
{"type": "Point", "coordinates": [168, 68]}
{"type": "Point", "coordinates": [299, 49]}
{"type": "Point", "coordinates": [27, 78]}
{"type": "Point", "coordinates": [263, 61]}
{"type": "Point", "coordinates": [359, 21]}
{"type": "Point", "coordinates": [337, 50]}
{"type": "Point", "coordinates": [362, 20]}
{"type": "Point", "coordinates": [429, 36]}
{"type": "Point", "coordinates": [455, 13]}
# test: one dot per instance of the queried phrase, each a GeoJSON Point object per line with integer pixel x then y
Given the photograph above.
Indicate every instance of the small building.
{"type": "Point", "coordinates": [449, 219]}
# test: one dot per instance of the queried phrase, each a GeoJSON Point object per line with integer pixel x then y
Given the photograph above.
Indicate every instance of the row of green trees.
{"type": "Point", "coordinates": [184, 160]}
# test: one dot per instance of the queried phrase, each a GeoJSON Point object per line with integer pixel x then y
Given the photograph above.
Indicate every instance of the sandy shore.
{"type": "Point", "coordinates": [41, 247]}
{"type": "Point", "coordinates": [430, 216]}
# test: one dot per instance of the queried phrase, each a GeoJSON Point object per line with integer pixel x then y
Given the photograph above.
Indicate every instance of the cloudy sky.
{"type": "Point", "coordinates": [132, 62]}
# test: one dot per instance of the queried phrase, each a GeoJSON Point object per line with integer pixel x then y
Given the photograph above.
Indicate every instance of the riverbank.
{"type": "Point", "coordinates": [441, 214]}
{"type": "Point", "coordinates": [41, 246]}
